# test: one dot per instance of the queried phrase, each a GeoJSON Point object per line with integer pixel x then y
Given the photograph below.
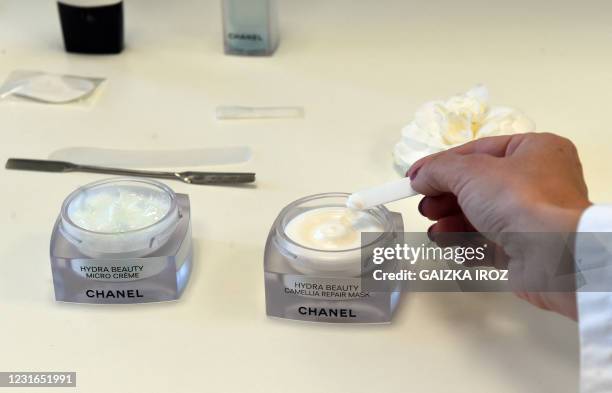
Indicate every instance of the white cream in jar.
{"type": "Point", "coordinates": [117, 209]}
{"type": "Point", "coordinates": [120, 216]}
{"type": "Point", "coordinates": [325, 236]}
{"type": "Point", "coordinates": [331, 228]}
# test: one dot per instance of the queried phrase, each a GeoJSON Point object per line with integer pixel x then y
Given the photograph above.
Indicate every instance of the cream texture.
{"type": "Point", "coordinates": [441, 125]}
{"type": "Point", "coordinates": [118, 209]}
{"type": "Point", "coordinates": [331, 228]}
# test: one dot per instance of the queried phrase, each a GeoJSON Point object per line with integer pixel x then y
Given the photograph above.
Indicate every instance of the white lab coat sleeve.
{"type": "Point", "coordinates": [594, 298]}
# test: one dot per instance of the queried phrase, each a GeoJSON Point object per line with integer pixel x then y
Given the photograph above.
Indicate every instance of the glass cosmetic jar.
{"type": "Point", "coordinates": [314, 261]}
{"type": "Point", "coordinates": [122, 240]}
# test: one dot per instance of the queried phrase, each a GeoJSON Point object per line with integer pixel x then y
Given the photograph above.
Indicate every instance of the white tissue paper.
{"type": "Point", "coordinates": [48, 88]}
{"type": "Point", "coordinates": [440, 125]}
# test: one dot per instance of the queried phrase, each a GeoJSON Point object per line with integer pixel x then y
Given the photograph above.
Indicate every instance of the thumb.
{"type": "Point", "coordinates": [449, 172]}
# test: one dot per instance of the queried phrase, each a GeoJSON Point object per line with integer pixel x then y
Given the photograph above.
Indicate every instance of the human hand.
{"type": "Point", "coordinates": [507, 184]}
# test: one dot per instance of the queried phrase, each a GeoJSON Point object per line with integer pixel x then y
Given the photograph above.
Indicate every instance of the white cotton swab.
{"type": "Point", "coordinates": [379, 195]}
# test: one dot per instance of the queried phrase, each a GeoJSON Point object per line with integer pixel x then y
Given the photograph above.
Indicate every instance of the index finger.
{"type": "Point", "coordinates": [496, 146]}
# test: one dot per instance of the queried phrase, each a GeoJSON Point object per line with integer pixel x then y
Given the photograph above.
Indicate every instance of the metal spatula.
{"type": "Point", "coordinates": [186, 177]}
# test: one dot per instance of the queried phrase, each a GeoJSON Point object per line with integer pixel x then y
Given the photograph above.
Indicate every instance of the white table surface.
{"type": "Point", "coordinates": [360, 69]}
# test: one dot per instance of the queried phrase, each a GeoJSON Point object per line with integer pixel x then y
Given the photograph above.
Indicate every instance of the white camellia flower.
{"type": "Point", "coordinates": [440, 125]}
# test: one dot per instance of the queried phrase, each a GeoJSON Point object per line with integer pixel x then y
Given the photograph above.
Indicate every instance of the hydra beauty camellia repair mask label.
{"type": "Point", "coordinates": [313, 261]}
{"type": "Point", "coordinates": [122, 241]}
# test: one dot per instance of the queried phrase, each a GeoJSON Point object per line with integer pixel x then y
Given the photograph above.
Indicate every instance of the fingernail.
{"type": "Point", "coordinates": [414, 174]}
{"type": "Point", "coordinates": [420, 207]}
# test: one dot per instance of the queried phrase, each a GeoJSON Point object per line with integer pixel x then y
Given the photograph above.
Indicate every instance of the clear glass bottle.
{"type": "Point", "coordinates": [250, 27]}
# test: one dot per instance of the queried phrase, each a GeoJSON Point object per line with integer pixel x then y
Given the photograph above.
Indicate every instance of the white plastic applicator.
{"type": "Point", "coordinates": [379, 195]}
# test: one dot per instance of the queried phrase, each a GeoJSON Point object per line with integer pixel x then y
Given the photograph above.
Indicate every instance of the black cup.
{"type": "Point", "coordinates": [97, 29]}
